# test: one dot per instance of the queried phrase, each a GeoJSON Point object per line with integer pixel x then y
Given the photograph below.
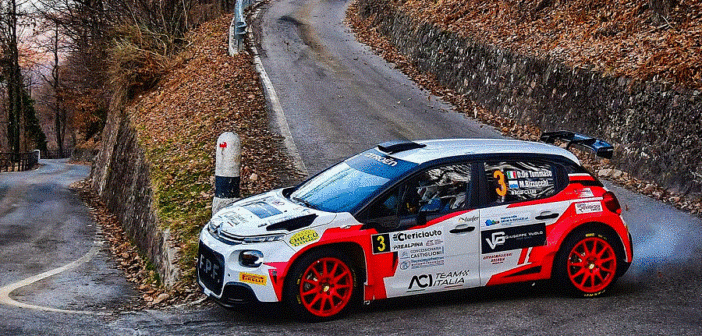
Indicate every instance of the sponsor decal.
{"type": "Point", "coordinates": [498, 238]}
{"type": "Point", "coordinates": [534, 184]}
{"type": "Point", "coordinates": [438, 279]}
{"type": "Point", "coordinates": [510, 219]}
{"type": "Point", "coordinates": [427, 262]}
{"type": "Point", "coordinates": [521, 192]}
{"type": "Point", "coordinates": [406, 240]}
{"type": "Point", "coordinates": [434, 242]}
{"type": "Point", "coordinates": [512, 238]}
{"type": "Point", "coordinates": [384, 160]}
{"type": "Point", "coordinates": [426, 254]}
{"type": "Point", "coordinates": [467, 219]}
{"type": "Point", "coordinates": [497, 259]}
{"type": "Point", "coordinates": [262, 209]}
{"type": "Point", "coordinates": [303, 237]}
{"type": "Point", "coordinates": [588, 207]}
{"type": "Point", "coordinates": [519, 174]}
{"type": "Point", "coordinates": [586, 192]}
{"type": "Point", "coordinates": [253, 278]}
{"type": "Point", "coordinates": [233, 218]}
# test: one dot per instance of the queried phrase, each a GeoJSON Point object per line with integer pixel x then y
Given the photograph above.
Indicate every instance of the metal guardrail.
{"type": "Point", "coordinates": [18, 162]}
{"type": "Point", "coordinates": [56, 154]}
{"type": "Point", "coordinates": [237, 29]}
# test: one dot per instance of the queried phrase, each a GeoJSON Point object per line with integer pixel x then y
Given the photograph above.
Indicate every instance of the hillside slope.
{"type": "Point", "coordinates": [643, 39]}
{"type": "Point", "coordinates": [156, 169]}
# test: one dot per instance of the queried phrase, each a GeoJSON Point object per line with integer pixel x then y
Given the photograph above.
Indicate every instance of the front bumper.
{"type": "Point", "coordinates": [222, 278]}
{"type": "Point", "coordinates": [235, 294]}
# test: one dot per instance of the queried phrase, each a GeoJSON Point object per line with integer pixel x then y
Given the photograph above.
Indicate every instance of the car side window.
{"type": "Point", "coordinates": [516, 181]}
{"type": "Point", "coordinates": [441, 189]}
{"type": "Point", "coordinates": [387, 206]}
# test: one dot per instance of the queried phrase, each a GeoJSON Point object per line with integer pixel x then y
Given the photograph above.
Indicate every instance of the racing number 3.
{"type": "Point", "coordinates": [380, 243]}
{"type": "Point", "coordinates": [502, 186]}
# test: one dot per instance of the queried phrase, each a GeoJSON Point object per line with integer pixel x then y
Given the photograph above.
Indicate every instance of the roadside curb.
{"type": "Point", "coordinates": [272, 98]}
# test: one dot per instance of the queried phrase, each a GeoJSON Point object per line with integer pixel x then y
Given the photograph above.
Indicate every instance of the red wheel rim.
{"type": "Point", "coordinates": [326, 287]}
{"type": "Point", "coordinates": [592, 264]}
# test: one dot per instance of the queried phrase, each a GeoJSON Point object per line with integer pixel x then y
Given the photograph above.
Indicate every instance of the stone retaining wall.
{"type": "Point", "coordinates": [656, 129]}
{"type": "Point", "coordinates": [120, 176]}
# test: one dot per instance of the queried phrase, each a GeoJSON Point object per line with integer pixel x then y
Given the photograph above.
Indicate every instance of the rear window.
{"type": "Point", "coordinates": [516, 181]}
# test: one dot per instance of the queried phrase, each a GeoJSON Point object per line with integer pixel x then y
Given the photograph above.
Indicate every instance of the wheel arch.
{"type": "Point", "coordinates": [617, 242]}
{"type": "Point", "coordinates": [352, 250]}
{"type": "Point", "coordinates": [350, 254]}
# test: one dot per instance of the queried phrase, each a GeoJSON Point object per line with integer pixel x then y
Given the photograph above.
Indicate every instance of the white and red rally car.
{"type": "Point", "coordinates": [406, 218]}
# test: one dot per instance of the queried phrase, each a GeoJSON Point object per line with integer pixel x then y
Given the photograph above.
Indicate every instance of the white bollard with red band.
{"type": "Point", "coordinates": [227, 165]}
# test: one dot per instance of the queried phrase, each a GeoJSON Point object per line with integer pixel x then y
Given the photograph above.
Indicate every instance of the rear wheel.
{"type": "Point", "coordinates": [321, 286]}
{"type": "Point", "coordinates": [586, 265]}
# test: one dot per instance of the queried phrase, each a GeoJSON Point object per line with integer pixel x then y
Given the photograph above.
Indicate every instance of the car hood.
{"type": "Point", "coordinates": [268, 213]}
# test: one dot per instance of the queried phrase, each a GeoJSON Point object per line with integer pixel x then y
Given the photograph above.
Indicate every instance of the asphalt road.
{"type": "Point", "coordinates": [338, 99]}
{"type": "Point", "coordinates": [45, 227]}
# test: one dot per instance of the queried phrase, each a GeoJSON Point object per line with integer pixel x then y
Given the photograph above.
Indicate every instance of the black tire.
{"type": "Point", "coordinates": [587, 263]}
{"type": "Point", "coordinates": [330, 295]}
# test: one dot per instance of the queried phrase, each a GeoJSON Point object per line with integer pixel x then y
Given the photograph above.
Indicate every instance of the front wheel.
{"type": "Point", "coordinates": [321, 286]}
{"type": "Point", "coordinates": [586, 265]}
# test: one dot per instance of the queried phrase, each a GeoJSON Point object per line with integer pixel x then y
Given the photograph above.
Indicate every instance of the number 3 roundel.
{"type": "Point", "coordinates": [502, 188]}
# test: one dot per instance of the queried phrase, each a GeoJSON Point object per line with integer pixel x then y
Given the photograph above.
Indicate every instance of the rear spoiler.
{"type": "Point", "coordinates": [599, 147]}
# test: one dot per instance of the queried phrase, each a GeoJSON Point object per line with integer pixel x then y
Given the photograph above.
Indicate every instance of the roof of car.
{"type": "Point", "coordinates": [445, 148]}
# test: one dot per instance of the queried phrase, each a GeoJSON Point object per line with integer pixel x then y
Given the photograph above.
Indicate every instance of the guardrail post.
{"type": "Point", "coordinates": [240, 31]}
{"type": "Point", "coordinates": [233, 41]}
{"type": "Point", "coordinates": [227, 165]}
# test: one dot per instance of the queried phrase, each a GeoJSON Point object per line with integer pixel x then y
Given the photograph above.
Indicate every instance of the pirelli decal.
{"type": "Point", "coordinates": [513, 238]}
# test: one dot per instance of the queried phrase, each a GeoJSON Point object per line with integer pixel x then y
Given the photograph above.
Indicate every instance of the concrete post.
{"type": "Point", "coordinates": [227, 165]}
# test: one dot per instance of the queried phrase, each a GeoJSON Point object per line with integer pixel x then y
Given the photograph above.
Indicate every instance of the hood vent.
{"type": "Point", "coordinates": [397, 146]}
{"type": "Point", "coordinates": [293, 224]}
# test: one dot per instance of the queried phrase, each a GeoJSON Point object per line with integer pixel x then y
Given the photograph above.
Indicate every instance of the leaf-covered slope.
{"type": "Point", "coordinates": [616, 37]}
{"type": "Point", "coordinates": [205, 94]}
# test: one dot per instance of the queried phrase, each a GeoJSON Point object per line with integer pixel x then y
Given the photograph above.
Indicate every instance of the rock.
{"type": "Point", "coordinates": [604, 172]}
{"type": "Point", "coordinates": [162, 297]}
{"type": "Point", "coordinates": [616, 174]}
{"type": "Point", "coordinates": [253, 177]}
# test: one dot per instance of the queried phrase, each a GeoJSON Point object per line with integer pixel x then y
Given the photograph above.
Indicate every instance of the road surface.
{"type": "Point", "coordinates": [338, 99]}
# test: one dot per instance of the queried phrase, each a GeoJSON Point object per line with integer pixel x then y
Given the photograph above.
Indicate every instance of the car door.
{"type": "Point", "coordinates": [517, 211]}
{"type": "Point", "coordinates": [430, 226]}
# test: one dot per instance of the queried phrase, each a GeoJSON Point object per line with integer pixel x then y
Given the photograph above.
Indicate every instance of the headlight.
{"type": "Point", "coordinates": [250, 258]}
{"type": "Point", "coordinates": [263, 239]}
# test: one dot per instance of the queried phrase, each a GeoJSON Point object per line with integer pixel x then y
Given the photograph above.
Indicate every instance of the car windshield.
{"type": "Point", "coordinates": [346, 186]}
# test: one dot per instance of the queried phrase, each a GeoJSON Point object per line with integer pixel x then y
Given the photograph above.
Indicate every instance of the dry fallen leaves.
{"type": "Point", "coordinates": [618, 37]}
{"type": "Point", "coordinates": [368, 34]}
